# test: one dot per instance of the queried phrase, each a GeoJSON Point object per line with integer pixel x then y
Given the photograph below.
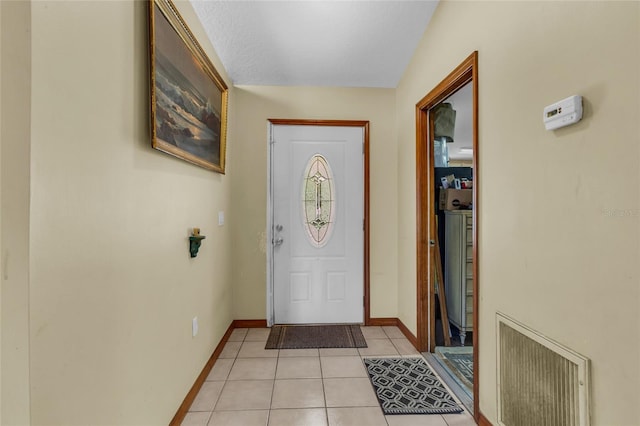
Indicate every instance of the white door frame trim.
{"type": "Point", "coordinates": [269, 231]}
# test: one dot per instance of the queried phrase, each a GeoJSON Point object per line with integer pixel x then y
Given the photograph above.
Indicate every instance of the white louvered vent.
{"type": "Point", "coordinates": [540, 382]}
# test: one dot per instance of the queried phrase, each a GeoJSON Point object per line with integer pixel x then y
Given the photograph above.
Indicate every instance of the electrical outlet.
{"type": "Point", "coordinates": [194, 326]}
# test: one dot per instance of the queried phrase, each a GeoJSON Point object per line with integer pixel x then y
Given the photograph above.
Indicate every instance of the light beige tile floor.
{"type": "Point", "coordinates": [250, 385]}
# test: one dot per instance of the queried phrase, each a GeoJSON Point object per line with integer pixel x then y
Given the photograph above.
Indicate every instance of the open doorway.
{"type": "Point", "coordinates": [453, 183]}
{"type": "Point", "coordinates": [447, 257]}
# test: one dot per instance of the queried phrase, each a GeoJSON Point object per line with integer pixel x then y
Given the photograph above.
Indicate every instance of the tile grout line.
{"type": "Point", "coordinates": [211, 413]}
{"type": "Point", "coordinates": [273, 388]}
{"type": "Point", "coordinates": [226, 379]}
{"type": "Point", "coordinates": [324, 391]}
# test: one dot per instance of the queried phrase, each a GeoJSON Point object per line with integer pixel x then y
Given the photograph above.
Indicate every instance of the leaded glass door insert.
{"type": "Point", "coordinates": [318, 201]}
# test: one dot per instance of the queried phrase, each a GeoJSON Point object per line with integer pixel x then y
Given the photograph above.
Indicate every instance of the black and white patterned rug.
{"type": "Point", "coordinates": [463, 363]}
{"type": "Point", "coordinates": [458, 361]}
{"type": "Point", "coordinates": [408, 386]}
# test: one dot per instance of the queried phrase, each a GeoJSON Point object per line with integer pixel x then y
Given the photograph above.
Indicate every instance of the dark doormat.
{"type": "Point", "coordinates": [408, 386]}
{"type": "Point", "coordinates": [315, 336]}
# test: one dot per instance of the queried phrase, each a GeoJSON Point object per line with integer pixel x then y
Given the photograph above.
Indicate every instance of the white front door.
{"type": "Point", "coordinates": [317, 196]}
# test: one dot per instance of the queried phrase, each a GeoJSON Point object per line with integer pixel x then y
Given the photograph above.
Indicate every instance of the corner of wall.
{"type": "Point", "coordinates": [15, 137]}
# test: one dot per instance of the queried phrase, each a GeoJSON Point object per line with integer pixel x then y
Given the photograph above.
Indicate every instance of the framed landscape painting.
{"type": "Point", "coordinates": [188, 96]}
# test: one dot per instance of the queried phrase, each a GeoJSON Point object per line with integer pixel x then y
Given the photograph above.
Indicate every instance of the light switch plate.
{"type": "Point", "coordinates": [220, 218]}
{"type": "Point", "coordinates": [194, 326]}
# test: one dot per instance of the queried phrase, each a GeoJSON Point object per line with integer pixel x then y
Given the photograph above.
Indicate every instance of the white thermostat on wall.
{"type": "Point", "coordinates": [563, 113]}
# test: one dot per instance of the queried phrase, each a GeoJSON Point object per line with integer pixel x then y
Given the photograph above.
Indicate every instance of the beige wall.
{"type": "Point", "coordinates": [2, 268]}
{"type": "Point", "coordinates": [254, 105]}
{"type": "Point", "coordinates": [107, 312]}
{"type": "Point", "coordinates": [14, 209]}
{"type": "Point", "coordinates": [113, 289]}
{"type": "Point", "coordinates": [559, 212]}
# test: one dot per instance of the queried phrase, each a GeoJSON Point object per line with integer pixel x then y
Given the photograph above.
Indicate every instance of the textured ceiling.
{"type": "Point", "coordinates": [315, 43]}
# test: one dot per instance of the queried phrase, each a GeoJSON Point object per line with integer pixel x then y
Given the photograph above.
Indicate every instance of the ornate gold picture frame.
{"type": "Point", "coordinates": [188, 96]}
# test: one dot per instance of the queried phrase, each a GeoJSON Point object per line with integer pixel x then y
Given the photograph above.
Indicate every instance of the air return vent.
{"type": "Point", "coordinates": [539, 381]}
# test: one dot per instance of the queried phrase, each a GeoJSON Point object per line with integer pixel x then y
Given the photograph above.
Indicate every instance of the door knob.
{"type": "Point", "coordinates": [278, 241]}
{"type": "Point", "coordinates": [279, 228]}
{"type": "Point", "coordinates": [432, 243]}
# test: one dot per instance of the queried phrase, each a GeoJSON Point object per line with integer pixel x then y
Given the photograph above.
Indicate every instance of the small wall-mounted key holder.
{"type": "Point", "coordinates": [195, 240]}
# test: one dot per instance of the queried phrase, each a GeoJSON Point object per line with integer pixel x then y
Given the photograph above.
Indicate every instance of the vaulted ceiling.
{"type": "Point", "coordinates": [315, 43]}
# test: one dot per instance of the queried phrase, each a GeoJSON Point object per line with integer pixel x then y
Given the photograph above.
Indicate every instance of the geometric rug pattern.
{"type": "Point", "coordinates": [315, 336]}
{"type": "Point", "coordinates": [408, 386]}
{"type": "Point", "coordinates": [458, 361]}
{"type": "Point", "coordinates": [463, 363]}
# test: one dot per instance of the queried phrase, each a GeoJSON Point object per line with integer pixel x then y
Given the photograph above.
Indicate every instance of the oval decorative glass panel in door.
{"type": "Point", "coordinates": [318, 201]}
